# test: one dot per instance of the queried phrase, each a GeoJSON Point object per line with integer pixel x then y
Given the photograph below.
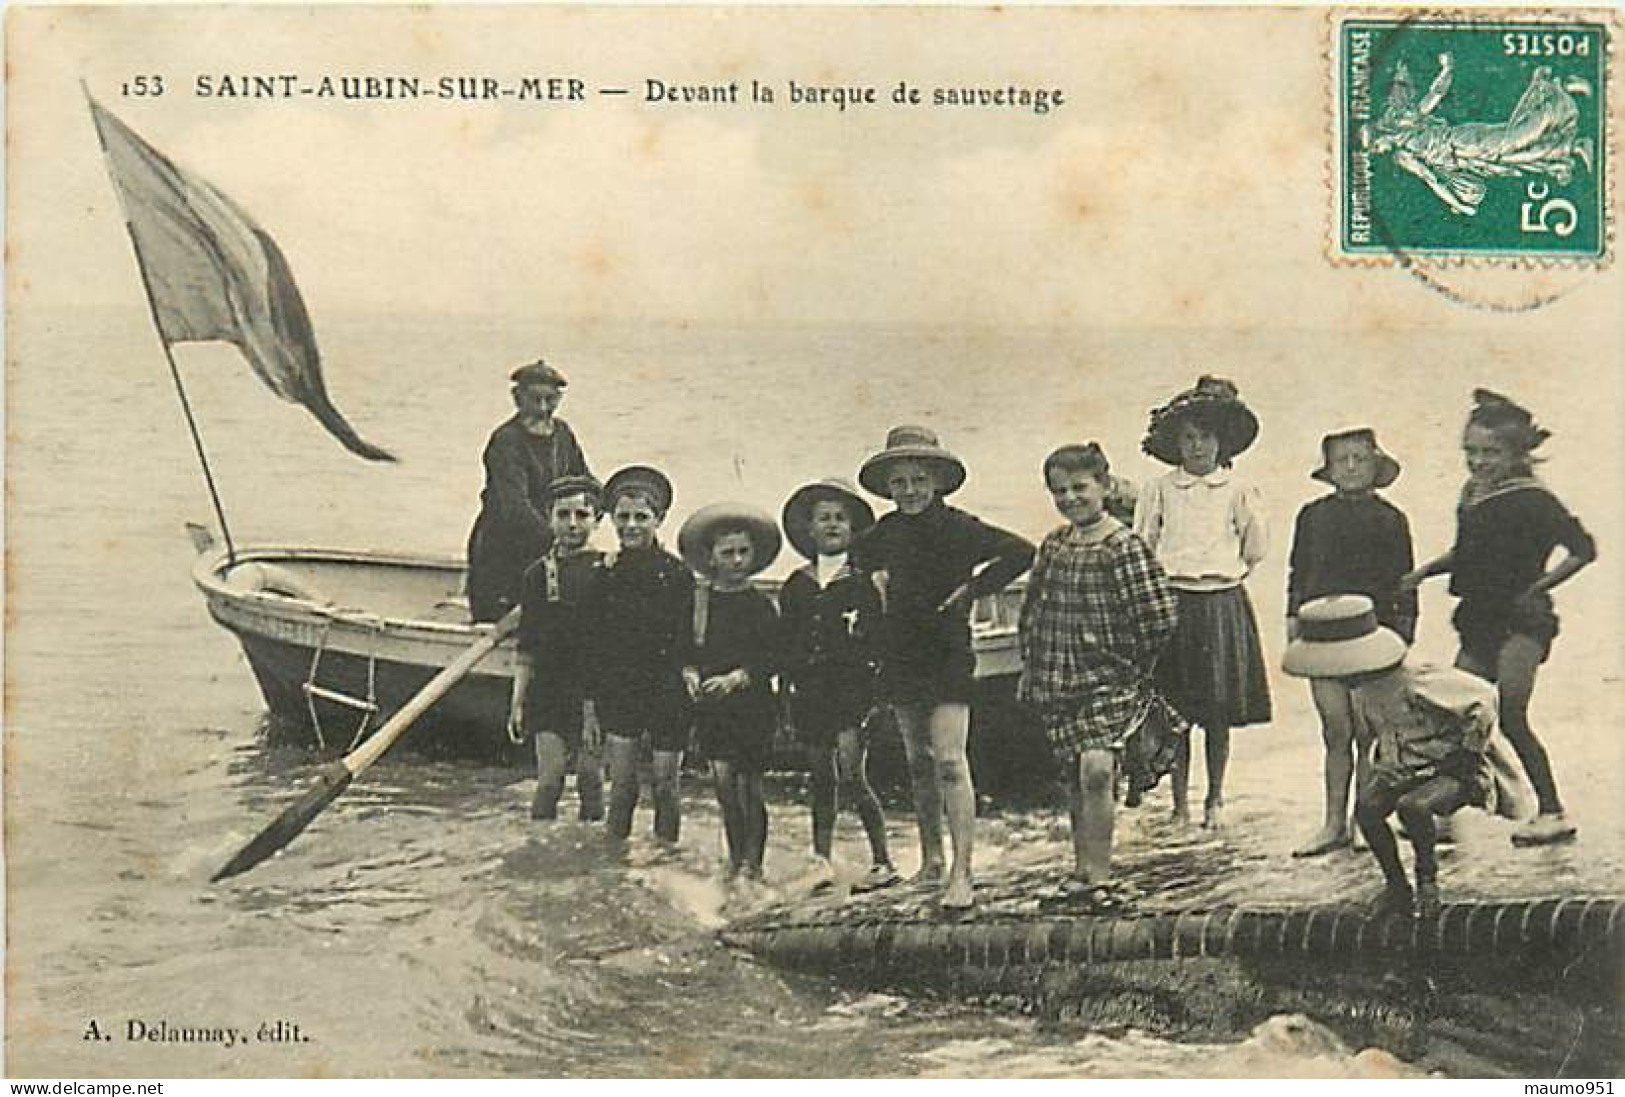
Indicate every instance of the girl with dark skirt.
{"type": "Point", "coordinates": [1207, 529]}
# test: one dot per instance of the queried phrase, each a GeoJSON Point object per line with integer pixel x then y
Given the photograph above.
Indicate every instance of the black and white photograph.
{"type": "Point", "coordinates": [573, 541]}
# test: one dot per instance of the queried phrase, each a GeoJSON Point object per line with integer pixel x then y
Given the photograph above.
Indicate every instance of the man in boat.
{"type": "Point", "coordinates": [524, 455]}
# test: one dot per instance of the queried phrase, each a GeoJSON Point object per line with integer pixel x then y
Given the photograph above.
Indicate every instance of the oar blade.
{"type": "Point", "coordinates": [331, 781]}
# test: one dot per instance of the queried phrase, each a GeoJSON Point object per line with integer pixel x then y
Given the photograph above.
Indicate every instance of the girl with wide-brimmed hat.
{"type": "Point", "coordinates": [1352, 541]}
{"type": "Point", "coordinates": [730, 665]}
{"type": "Point", "coordinates": [1508, 524]}
{"type": "Point", "coordinates": [932, 561]}
{"type": "Point", "coordinates": [832, 619]}
{"type": "Point", "coordinates": [1208, 531]}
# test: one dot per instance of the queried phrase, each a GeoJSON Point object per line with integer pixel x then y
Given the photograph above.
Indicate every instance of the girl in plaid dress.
{"type": "Point", "coordinates": [1098, 612]}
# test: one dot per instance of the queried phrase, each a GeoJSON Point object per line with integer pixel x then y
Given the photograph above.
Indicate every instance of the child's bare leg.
{"type": "Point", "coordinates": [852, 767]}
{"type": "Point", "coordinates": [825, 802]}
{"type": "Point", "coordinates": [753, 817]}
{"type": "Point", "coordinates": [590, 784]}
{"type": "Point", "coordinates": [1515, 682]}
{"type": "Point", "coordinates": [950, 727]}
{"type": "Point", "coordinates": [722, 780]}
{"type": "Point", "coordinates": [1093, 815]}
{"type": "Point", "coordinates": [550, 765]}
{"type": "Point", "coordinates": [1371, 812]}
{"type": "Point", "coordinates": [1179, 778]}
{"type": "Point", "coordinates": [1216, 744]}
{"type": "Point", "coordinates": [668, 805]}
{"type": "Point", "coordinates": [914, 720]}
{"type": "Point", "coordinates": [1337, 731]}
{"type": "Point", "coordinates": [1417, 809]}
{"type": "Point", "coordinates": [622, 754]}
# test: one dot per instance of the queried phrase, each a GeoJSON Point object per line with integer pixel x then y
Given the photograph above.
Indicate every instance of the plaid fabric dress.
{"type": "Point", "coordinates": [1098, 612]}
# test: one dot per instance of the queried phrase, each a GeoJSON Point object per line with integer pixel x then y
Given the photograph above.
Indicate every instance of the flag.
{"type": "Point", "coordinates": [213, 275]}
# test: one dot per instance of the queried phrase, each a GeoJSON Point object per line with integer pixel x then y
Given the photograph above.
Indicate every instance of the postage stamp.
{"type": "Point", "coordinates": [1467, 137]}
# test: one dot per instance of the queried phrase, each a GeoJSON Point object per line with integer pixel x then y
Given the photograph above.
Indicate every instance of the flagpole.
{"type": "Point", "coordinates": [169, 354]}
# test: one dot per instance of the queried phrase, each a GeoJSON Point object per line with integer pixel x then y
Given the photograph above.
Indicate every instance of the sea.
{"type": "Point", "coordinates": [425, 925]}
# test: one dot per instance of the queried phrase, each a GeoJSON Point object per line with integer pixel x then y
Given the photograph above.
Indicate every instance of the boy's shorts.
{"type": "Point", "coordinates": [1484, 630]}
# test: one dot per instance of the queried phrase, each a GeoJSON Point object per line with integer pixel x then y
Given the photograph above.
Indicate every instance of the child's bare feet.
{"type": "Point", "coordinates": [931, 872]}
{"type": "Point", "coordinates": [1181, 816]}
{"type": "Point", "coordinates": [1324, 841]}
{"type": "Point", "coordinates": [1396, 899]}
{"type": "Point", "coordinates": [959, 894]}
{"type": "Point", "coordinates": [1427, 900]}
{"type": "Point", "coordinates": [1213, 815]}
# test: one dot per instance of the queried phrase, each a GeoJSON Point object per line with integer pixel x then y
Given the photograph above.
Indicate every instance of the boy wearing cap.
{"type": "Point", "coordinates": [1352, 541]}
{"type": "Point", "coordinates": [550, 698]}
{"type": "Point", "coordinates": [644, 608]}
{"type": "Point", "coordinates": [730, 666]}
{"type": "Point", "coordinates": [523, 456]}
{"type": "Point", "coordinates": [831, 613]}
{"type": "Point", "coordinates": [1430, 726]}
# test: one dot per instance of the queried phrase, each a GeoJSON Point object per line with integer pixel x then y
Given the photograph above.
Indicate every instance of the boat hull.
{"type": "Point", "coordinates": [337, 641]}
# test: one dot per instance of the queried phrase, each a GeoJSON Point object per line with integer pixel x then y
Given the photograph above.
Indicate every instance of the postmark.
{"type": "Point", "coordinates": [1472, 139]}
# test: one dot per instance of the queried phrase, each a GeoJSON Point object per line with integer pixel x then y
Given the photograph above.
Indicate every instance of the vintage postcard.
{"type": "Point", "coordinates": [813, 541]}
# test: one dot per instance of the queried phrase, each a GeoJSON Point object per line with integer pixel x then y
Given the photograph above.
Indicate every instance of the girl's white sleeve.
{"type": "Point", "coordinates": [1148, 513]}
{"type": "Point", "coordinates": [1252, 526]}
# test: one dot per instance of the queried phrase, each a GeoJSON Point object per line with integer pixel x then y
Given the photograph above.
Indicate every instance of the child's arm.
{"type": "Point", "coordinates": [1406, 607]}
{"type": "Point", "coordinates": [1579, 549]}
{"type": "Point", "coordinates": [1299, 561]}
{"type": "Point", "coordinates": [1439, 565]}
{"type": "Point", "coordinates": [1252, 527]}
{"type": "Point", "coordinates": [1148, 514]}
{"type": "Point", "coordinates": [522, 673]}
{"type": "Point", "coordinates": [1007, 555]}
{"type": "Point", "coordinates": [1148, 602]}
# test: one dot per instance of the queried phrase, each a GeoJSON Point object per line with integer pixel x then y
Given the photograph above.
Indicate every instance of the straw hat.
{"type": "Point", "coordinates": [797, 516]}
{"type": "Point", "coordinates": [643, 479]}
{"type": "Point", "coordinates": [574, 485]}
{"type": "Point", "coordinates": [1218, 403]}
{"type": "Point", "coordinates": [694, 540]}
{"type": "Point", "coordinates": [910, 443]}
{"type": "Point", "coordinates": [1337, 636]}
{"type": "Point", "coordinates": [1387, 469]}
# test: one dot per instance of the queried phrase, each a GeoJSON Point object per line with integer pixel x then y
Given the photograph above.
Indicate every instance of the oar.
{"type": "Point", "coordinates": [332, 780]}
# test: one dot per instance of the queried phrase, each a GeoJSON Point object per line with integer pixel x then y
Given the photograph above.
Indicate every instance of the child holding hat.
{"type": "Point", "coordinates": [1207, 529]}
{"type": "Point", "coordinates": [551, 701]}
{"type": "Point", "coordinates": [642, 616]}
{"type": "Point", "coordinates": [1430, 726]}
{"type": "Point", "coordinates": [730, 666]}
{"type": "Point", "coordinates": [1352, 541]}
{"type": "Point", "coordinates": [831, 613]}
{"type": "Point", "coordinates": [932, 561]}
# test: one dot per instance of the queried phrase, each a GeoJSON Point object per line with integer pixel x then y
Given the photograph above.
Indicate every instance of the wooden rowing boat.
{"type": "Point", "coordinates": [339, 639]}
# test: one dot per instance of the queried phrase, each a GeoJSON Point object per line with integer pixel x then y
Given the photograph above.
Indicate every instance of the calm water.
{"type": "Point", "coordinates": [425, 925]}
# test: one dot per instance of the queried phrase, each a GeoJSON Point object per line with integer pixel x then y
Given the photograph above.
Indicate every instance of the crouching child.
{"type": "Point", "coordinates": [1430, 727]}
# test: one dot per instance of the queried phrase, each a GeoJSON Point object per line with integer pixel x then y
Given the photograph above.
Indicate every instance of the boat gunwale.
{"type": "Point", "coordinates": [209, 569]}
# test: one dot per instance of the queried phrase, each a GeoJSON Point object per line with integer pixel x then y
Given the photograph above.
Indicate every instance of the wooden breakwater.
{"type": "Point", "coordinates": [1517, 985]}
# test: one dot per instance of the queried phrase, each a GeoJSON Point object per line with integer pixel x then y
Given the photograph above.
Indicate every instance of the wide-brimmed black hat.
{"type": "Point", "coordinates": [797, 517]}
{"type": "Point", "coordinates": [911, 443]}
{"type": "Point", "coordinates": [538, 373]}
{"type": "Point", "coordinates": [1387, 469]}
{"type": "Point", "coordinates": [694, 540]}
{"type": "Point", "coordinates": [643, 479]}
{"type": "Point", "coordinates": [1217, 403]}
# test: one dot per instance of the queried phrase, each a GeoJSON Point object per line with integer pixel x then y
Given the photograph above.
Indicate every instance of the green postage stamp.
{"type": "Point", "coordinates": [1472, 136]}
